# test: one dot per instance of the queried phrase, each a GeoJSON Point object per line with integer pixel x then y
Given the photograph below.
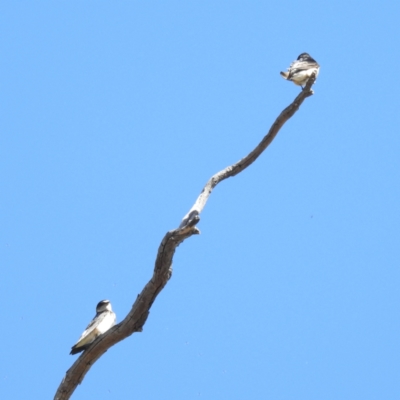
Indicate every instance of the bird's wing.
{"type": "Point", "coordinates": [302, 65]}
{"type": "Point", "coordinates": [92, 325]}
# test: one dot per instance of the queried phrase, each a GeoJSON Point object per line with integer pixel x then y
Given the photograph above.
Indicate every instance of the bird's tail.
{"type": "Point", "coordinates": [285, 74]}
{"type": "Point", "coordinates": [75, 349]}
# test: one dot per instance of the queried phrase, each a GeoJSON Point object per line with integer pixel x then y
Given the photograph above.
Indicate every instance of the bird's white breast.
{"type": "Point", "coordinates": [107, 322]}
{"type": "Point", "coordinates": [301, 77]}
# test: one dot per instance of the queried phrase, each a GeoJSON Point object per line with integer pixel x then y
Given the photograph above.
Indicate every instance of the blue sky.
{"type": "Point", "coordinates": [113, 117]}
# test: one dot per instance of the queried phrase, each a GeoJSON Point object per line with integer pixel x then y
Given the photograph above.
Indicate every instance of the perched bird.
{"type": "Point", "coordinates": [103, 320]}
{"type": "Point", "coordinates": [300, 70]}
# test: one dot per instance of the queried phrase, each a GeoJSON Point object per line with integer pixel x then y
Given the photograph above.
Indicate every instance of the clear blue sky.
{"type": "Point", "coordinates": [113, 117]}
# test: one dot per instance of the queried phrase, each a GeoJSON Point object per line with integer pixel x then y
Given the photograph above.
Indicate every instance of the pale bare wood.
{"type": "Point", "coordinates": [137, 317]}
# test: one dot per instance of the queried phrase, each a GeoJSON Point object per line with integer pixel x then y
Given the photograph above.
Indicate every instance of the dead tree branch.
{"type": "Point", "coordinates": [137, 317]}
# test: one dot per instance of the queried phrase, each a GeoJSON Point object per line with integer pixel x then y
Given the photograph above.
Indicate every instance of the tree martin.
{"type": "Point", "coordinates": [300, 70]}
{"type": "Point", "coordinates": [103, 320]}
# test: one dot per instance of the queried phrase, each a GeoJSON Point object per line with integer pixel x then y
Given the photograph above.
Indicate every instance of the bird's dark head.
{"type": "Point", "coordinates": [305, 57]}
{"type": "Point", "coordinates": [103, 305]}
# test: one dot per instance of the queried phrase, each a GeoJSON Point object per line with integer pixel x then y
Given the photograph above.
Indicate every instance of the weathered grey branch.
{"type": "Point", "coordinates": [137, 317]}
{"type": "Point", "coordinates": [238, 167]}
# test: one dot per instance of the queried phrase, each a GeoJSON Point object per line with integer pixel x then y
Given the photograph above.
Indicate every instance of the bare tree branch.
{"type": "Point", "coordinates": [137, 317]}
{"type": "Point", "coordinates": [238, 167]}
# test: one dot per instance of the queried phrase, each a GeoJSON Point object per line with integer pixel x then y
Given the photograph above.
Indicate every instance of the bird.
{"type": "Point", "coordinates": [301, 69]}
{"type": "Point", "coordinates": [103, 320]}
